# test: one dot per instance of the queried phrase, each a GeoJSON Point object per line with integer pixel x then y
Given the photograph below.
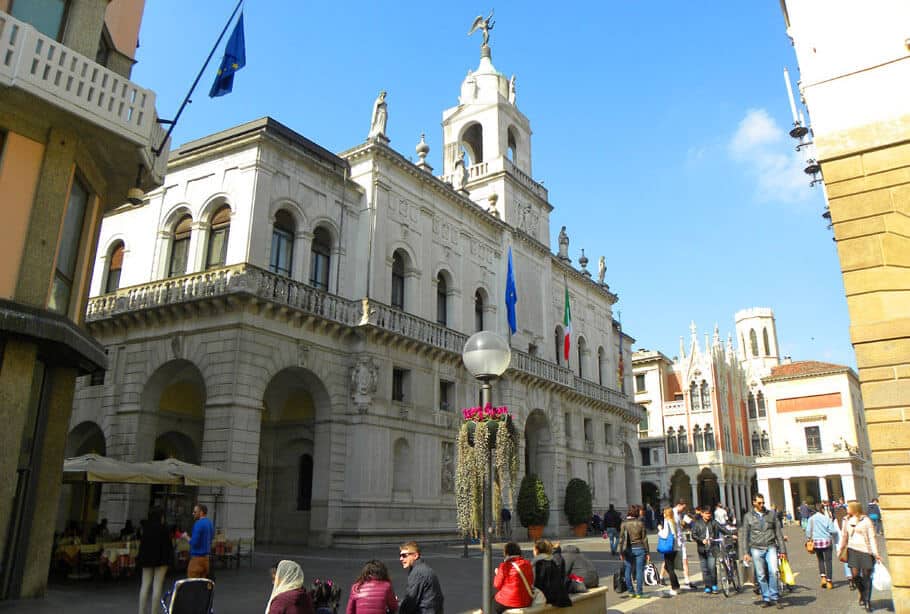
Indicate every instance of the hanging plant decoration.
{"type": "Point", "coordinates": [484, 430]}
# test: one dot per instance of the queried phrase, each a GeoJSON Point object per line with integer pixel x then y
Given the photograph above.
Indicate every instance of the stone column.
{"type": "Point", "coordinates": [694, 494]}
{"type": "Point", "coordinates": [722, 488]}
{"type": "Point", "coordinates": [763, 490]}
{"type": "Point", "coordinates": [823, 488]}
{"type": "Point", "coordinates": [788, 498]}
{"type": "Point", "coordinates": [849, 487]}
{"type": "Point", "coordinates": [803, 488]}
{"type": "Point", "coordinates": [737, 500]}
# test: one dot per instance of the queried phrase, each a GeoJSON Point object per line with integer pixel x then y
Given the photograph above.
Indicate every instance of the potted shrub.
{"type": "Point", "coordinates": [533, 506]}
{"type": "Point", "coordinates": [578, 506]}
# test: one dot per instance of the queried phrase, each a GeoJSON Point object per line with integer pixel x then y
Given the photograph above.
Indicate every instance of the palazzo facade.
{"type": "Point", "coordinates": [278, 310]}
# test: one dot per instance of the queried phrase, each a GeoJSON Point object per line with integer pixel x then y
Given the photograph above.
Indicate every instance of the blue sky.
{"type": "Point", "coordinates": [659, 130]}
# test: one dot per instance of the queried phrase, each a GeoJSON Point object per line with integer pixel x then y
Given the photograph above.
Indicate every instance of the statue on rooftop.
{"type": "Point", "coordinates": [563, 253]}
{"type": "Point", "coordinates": [512, 90]}
{"type": "Point", "coordinates": [601, 270]}
{"type": "Point", "coordinates": [484, 25]}
{"type": "Point", "coordinates": [379, 119]}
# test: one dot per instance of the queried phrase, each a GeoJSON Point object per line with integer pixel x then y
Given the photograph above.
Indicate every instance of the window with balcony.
{"type": "Point", "coordinates": [114, 266]}
{"type": "Point", "coordinates": [558, 342]}
{"type": "Point", "coordinates": [398, 280]}
{"type": "Point", "coordinates": [639, 382]}
{"type": "Point", "coordinates": [478, 311]}
{"type": "Point", "coordinates": [756, 444]}
{"type": "Point", "coordinates": [47, 16]}
{"type": "Point", "coordinates": [589, 431]}
{"type": "Point", "coordinates": [320, 259]}
{"type": "Point", "coordinates": [601, 365]}
{"type": "Point", "coordinates": [219, 232]}
{"type": "Point", "coordinates": [765, 443]}
{"type": "Point", "coordinates": [281, 256]}
{"type": "Point", "coordinates": [180, 247]}
{"type": "Point", "coordinates": [697, 441]}
{"type": "Point", "coordinates": [68, 248]}
{"type": "Point", "coordinates": [582, 350]}
{"type": "Point", "coordinates": [683, 440]}
{"type": "Point", "coordinates": [400, 383]}
{"type": "Point", "coordinates": [760, 401]}
{"type": "Point", "coordinates": [442, 300]}
{"type": "Point", "coordinates": [672, 444]}
{"type": "Point", "coordinates": [446, 395]}
{"type": "Point", "coordinates": [813, 439]}
{"type": "Point", "coordinates": [710, 443]}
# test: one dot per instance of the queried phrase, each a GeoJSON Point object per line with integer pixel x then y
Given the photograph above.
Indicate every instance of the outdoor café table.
{"type": "Point", "coordinates": [119, 557]}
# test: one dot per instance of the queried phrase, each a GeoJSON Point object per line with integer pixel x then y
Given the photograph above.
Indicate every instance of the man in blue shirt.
{"type": "Point", "coordinates": [200, 543]}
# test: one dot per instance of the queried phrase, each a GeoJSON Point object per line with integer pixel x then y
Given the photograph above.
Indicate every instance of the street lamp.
{"type": "Point", "coordinates": [487, 355]}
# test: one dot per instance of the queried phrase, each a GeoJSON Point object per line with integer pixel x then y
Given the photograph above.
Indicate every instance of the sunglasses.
{"type": "Point", "coordinates": [404, 555]}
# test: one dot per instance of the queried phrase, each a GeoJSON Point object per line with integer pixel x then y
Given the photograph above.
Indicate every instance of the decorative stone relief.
{"type": "Point", "coordinates": [527, 220]}
{"type": "Point", "coordinates": [177, 345]}
{"type": "Point", "coordinates": [446, 231]}
{"type": "Point", "coordinates": [447, 477]}
{"type": "Point", "coordinates": [363, 383]}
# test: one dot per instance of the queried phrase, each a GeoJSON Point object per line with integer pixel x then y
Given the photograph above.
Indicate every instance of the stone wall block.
{"type": "Point", "coordinates": [881, 353]}
{"type": "Point", "coordinates": [843, 169]}
{"type": "Point", "coordinates": [893, 393]}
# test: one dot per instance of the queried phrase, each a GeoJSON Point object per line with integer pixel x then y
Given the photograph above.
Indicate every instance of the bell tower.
{"type": "Point", "coordinates": [757, 336]}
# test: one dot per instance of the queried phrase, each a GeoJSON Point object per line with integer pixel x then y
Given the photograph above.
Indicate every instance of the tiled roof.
{"type": "Point", "coordinates": [803, 368]}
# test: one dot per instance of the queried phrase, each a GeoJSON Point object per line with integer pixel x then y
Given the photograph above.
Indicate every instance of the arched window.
{"type": "Point", "coordinates": [558, 338]}
{"type": "Point", "coordinates": [683, 440]}
{"type": "Point", "coordinates": [114, 266]}
{"type": "Point", "coordinates": [472, 141]}
{"type": "Point", "coordinates": [764, 335]}
{"type": "Point", "coordinates": [709, 438]}
{"type": "Point", "coordinates": [601, 365]}
{"type": "Point", "coordinates": [751, 403]}
{"type": "Point", "coordinates": [761, 405]}
{"type": "Point", "coordinates": [697, 441]}
{"type": "Point", "coordinates": [765, 443]}
{"type": "Point", "coordinates": [753, 341]}
{"type": "Point", "coordinates": [305, 483]}
{"type": "Point", "coordinates": [180, 247]}
{"type": "Point", "coordinates": [582, 350]}
{"type": "Point", "coordinates": [398, 280]}
{"type": "Point", "coordinates": [671, 441]}
{"type": "Point", "coordinates": [282, 256]}
{"type": "Point", "coordinates": [401, 466]}
{"type": "Point", "coordinates": [694, 398]}
{"type": "Point", "coordinates": [442, 298]}
{"type": "Point", "coordinates": [705, 395]}
{"type": "Point", "coordinates": [756, 444]}
{"type": "Point", "coordinates": [513, 145]}
{"type": "Point", "coordinates": [219, 231]}
{"type": "Point", "coordinates": [478, 311]}
{"type": "Point", "coordinates": [320, 259]}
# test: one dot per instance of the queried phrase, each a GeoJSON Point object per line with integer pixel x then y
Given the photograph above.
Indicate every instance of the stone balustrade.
{"type": "Point", "coordinates": [300, 297]}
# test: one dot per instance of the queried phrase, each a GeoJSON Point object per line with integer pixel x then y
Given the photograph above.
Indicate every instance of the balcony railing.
{"type": "Point", "coordinates": [305, 299]}
{"type": "Point", "coordinates": [482, 169]}
{"type": "Point", "coordinates": [52, 71]}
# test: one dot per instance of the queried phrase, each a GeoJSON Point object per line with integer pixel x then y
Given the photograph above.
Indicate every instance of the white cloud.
{"type": "Point", "coordinates": [767, 155]}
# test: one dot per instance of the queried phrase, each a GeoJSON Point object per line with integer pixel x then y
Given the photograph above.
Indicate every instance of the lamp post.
{"type": "Point", "coordinates": [487, 355]}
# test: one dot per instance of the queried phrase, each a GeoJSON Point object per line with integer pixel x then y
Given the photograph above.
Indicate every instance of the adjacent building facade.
{"type": "Point", "coordinates": [278, 310]}
{"type": "Point", "coordinates": [855, 81]}
{"type": "Point", "coordinates": [74, 134]}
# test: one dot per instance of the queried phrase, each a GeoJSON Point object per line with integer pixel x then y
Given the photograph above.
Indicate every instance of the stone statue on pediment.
{"type": "Point", "coordinates": [601, 270]}
{"type": "Point", "coordinates": [379, 119]}
{"type": "Point", "coordinates": [563, 253]}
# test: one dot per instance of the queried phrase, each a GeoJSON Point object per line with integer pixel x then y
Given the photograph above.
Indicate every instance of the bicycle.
{"type": "Point", "coordinates": [727, 564]}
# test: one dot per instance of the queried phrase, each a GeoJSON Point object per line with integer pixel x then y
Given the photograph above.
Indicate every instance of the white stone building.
{"type": "Point", "coordinates": [281, 311]}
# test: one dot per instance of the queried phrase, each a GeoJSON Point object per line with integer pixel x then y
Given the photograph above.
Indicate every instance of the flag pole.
{"type": "Point", "coordinates": [173, 122]}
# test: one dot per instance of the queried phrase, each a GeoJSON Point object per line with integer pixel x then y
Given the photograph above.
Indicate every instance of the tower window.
{"type": "Point", "coordinates": [753, 341]}
{"type": "Point", "coordinates": [764, 335]}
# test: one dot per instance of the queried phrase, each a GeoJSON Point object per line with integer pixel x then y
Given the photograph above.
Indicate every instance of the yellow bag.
{"type": "Point", "coordinates": [786, 574]}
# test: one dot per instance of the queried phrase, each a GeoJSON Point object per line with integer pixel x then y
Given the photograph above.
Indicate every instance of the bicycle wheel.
{"type": "Point", "coordinates": [723, 578]}
{"type": "Point", "coordinates": [735, 577]}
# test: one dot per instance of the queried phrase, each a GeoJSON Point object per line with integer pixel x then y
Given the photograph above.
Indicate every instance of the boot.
{"type": "Point", "coordinates": [824, 581]}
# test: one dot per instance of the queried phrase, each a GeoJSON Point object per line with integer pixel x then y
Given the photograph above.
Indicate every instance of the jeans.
{"type": "Point", "coordinates": [152, 581]}
{"type": "Point", "coordinates": [824, 562]}
{"type": "Point", "coordinates": [708, 562]}
{"type": "Point", "coordinates": [613, 534]}
{"type": "Point", "coordinates": [765, 561]}
{"type": "Point", "coordinates": [636, 556]}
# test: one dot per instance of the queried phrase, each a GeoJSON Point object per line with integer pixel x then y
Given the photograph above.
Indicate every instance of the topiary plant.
{"type": "Point", "coordinates": [533, 506]}
{"type": "Point", "coordinates": [579, 503]}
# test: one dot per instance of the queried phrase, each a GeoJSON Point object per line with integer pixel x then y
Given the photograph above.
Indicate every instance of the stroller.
{"type": "Point", "coordinates": [326, 596]}
{"type": "Point", "coordinates": [190, 596]}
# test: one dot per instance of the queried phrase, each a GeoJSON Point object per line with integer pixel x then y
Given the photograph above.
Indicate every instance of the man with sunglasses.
{"type": "Point", "coordinates": [423, 595]}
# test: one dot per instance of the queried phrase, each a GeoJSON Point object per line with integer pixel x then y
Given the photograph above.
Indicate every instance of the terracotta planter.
{"type": "Point", "coordinates": [535, 532]}
{"type": "Point", "coordinates": [580, 530]}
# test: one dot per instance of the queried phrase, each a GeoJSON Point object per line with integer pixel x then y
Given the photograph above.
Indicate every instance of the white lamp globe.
{"type": "Point", "coordinates": [486, 355]}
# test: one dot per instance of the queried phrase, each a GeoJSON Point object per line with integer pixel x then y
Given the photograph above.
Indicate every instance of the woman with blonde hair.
{"type": "Point", "coordinates": [859, 550]}
{"type": "Point", "coordinates": [288, 595]}
{"type": "Point", "coordinates": [668, 545]}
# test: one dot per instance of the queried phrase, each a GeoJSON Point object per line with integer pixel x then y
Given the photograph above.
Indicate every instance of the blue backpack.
{"type": "Point", "coordinates": [665, 545]}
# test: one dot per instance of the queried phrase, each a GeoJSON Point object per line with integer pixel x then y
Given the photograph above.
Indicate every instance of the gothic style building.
{"type": "Point", "coordinates": [279, 310]}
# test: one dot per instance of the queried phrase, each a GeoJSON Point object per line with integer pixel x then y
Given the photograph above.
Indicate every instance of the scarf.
{"type": "Point", "coordinates": [288, 577]}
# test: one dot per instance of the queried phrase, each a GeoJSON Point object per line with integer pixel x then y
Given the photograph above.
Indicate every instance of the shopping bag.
{"type": "Point", "coordinates": [786, 574]}
{"type": "Point", "coordinates": [619, 582]}
{"type": "Point", "coordinates": [881, 577]}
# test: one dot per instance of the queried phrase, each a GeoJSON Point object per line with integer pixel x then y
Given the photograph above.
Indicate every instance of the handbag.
{"type": "Point", "coordinates": [537, 596]}
{"type": "Point", "coordinates": [619, 582]}
{"type": "Point", "coordinates": [665, 545]}
{"type": "Point", "coordinates": [810, 545]}
{"type": "Point", "coordinates": [786, 573]}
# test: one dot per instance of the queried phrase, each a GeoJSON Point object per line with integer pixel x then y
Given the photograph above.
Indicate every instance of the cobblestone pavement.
{"type": "Point", "coordinates": [246, 590]}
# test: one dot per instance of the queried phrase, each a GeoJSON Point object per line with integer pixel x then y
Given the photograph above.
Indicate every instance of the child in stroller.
{"type": "Point", "coordinates": [326, 596]}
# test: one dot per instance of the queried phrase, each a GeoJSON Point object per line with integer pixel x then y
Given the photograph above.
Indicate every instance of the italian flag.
{"type": "Point", "coordinates": [567, 327]}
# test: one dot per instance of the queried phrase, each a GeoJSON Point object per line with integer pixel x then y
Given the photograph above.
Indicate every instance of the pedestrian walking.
{"type": "Point", "coordinates": [372, 592]}
{"type": "Point", "coordinates": [720, 514]}
{"type": "Point", "coordinates": [704, 530]}
{"type": "Point", "coordinates": [875, 514]}
{"type": "Point", "coordinates": [668, 545]}
{"type": "Point", "coordinates": [859, 550]}
{"type": "Point", "coordinates": [683, 522]}
{"type": "Point", "coordinates": [612, 522]}
{"type": "Point", "coordinates": [423, 594]}
{"type": "Point", "coordinates": [200, 543]}
{"type": "Point", "coordinates": [505, 523]}
{"type": "Point", "coordinates": [512, 580]}
{"type": "Point", "coordinates": [633, 550]}
{"type": "Point", "coordinates": [548, 576]}
{"type": "Point", "coordinates": [764, 542]}
{"type": "Point", "coordinates": [156, 553]}
{"type": "Point", "coordinates": [288, 594]}
{"type": "Point", "coordinates": [823, 534]}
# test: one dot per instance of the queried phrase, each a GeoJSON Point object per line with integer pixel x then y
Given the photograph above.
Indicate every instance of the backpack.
{"type": "Point", "coordinates": [667, 544]}
{"type": "Point", "coordinates": [619, 582]}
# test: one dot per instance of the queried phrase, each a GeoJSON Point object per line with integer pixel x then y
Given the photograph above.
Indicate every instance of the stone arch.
{"type": "Point", "coordinates": [293, 208]}
{"type": "Point", "coordinates": [174, 215]}
{"type": "Point", "coordinates": [708, 488]}
{"type": "Point", "coordinates": [85, 438]}
{"type": "Point", "coordinates": [540, 452]}
{"type": "Point", "coordinates": [296, 409]}
{"type": "Point", "coordinates": [409, 277]}
{"type": "Point", "coordinates": [213, 203]}
{"type": "Point", "coordinates": [480, 308]}
{"type": "Point", "coordinates": [112, 265]}
{"type": "Point", "coordinates": [650, 493]}
{"type": "Point", "coordinates": [471, 140]}
{"type": "Point", "coordinates": [681, 488]}
{"type": "Point", "coordinates": [80, 501]}
{"type": "Point", "coordinates": [174, 444]}
{"type": "Point", "coordinates": [581, 349]}
{"type": "Point", "coordinates": [444, 291]}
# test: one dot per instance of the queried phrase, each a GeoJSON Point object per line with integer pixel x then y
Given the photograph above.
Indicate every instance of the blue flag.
{"type": "Point", "coordinates": [511, 295]}
{"type": "Point", "coordinates": [234, 59]}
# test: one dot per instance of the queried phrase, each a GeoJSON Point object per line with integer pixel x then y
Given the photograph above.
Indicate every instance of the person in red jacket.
{"type": "Point", "coordinates": [513, 590]}
{"type": "Point", "coordinates": [372, 592]}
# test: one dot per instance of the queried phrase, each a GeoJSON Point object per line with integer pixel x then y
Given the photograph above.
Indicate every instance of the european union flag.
{"type": "Point", "coordinates": [511, 296]}
{"type": "Point", "coordinates": [234, 59]}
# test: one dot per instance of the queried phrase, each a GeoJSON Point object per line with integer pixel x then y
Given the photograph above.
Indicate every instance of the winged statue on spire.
{"type": "Point", "coordinates": [484, 25]}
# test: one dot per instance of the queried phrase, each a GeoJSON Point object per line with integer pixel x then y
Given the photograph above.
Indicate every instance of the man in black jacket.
{"type": "Point", "coordinates": [612, 522]}
{"type": "Point", "coordinates": [764, 544]}
{"type": "Point", "coordinates": [705, 529]}
{"type": "Point", "coordinates": [423, 595]}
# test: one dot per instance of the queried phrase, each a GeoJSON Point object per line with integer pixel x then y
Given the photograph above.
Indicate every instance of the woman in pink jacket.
{"type": "Point", "coordinates": [372, 592]}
